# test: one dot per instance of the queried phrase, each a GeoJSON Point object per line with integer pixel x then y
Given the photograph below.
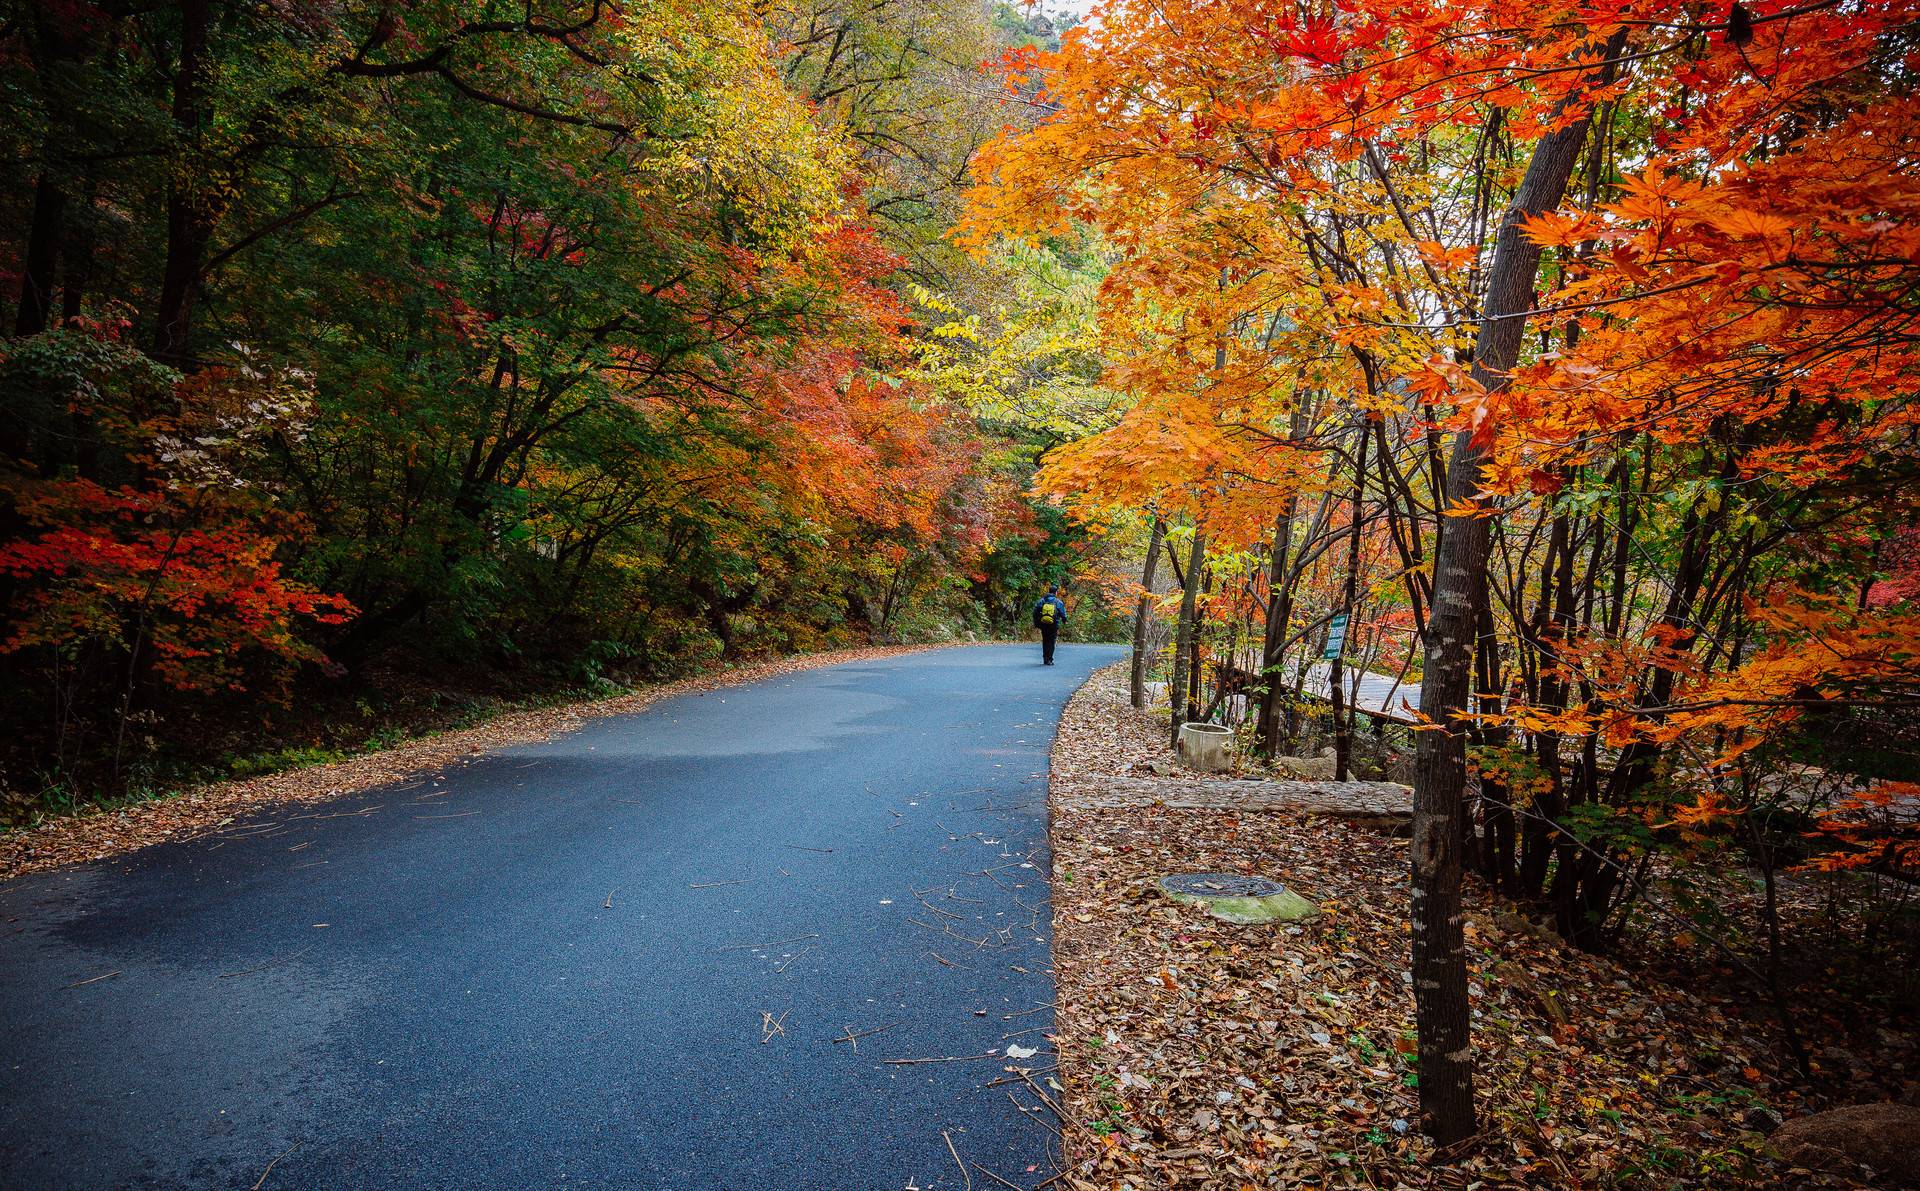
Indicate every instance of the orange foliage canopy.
{"type": "Point", "coordinates": [1301, 200]}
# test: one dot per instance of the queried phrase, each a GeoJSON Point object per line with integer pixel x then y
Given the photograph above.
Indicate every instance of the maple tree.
{"type": "Point", "coordinates": [1593, 319]}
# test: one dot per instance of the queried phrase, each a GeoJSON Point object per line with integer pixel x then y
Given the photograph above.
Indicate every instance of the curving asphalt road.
{"type": "Point", "coordinates": [562, 965]}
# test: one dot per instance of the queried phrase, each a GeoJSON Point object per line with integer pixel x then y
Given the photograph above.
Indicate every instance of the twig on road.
{"type": "Point", "coordinates": [937, 910]}
{"type": "Point", "coordinates": [956, 1160]}
{"type": "Point", "coordinates": [854, 1036]}
{"type": "Point", "coordinates": [992, 1054]}
{"type": "Point", "coordinates": [1027, 1113]}
{"type": "Point", "coordinates": [996, 1178]}
{"type": "Point", "coordinates": [610, 893]}
{"type": "Point", "coordinates": [788, 962]}
{"type": "Point", "coordinates": [93, 979]}
{"type": "Point", "coordinates": [718, 884]}
{"type": "Point", "coordinates": [361, 813]}
{"type": "Point", "coordinates": [1024, 1012]}
{"type": "Point", "coordinates": [804, 848]}
{"type": "Point", "coordinates": [262, 1180]}
{"type": "Point", "coordinates": [249, 832]}
{"type": "Point", "coordinates": [944, 960]}
{"type": "Point", "coordinates": [979, 942]}
{"type": "Point", "coordinates": [771, 1025]}
{"type": "Point", "coordinates": [1037, 1090]}
{"type": "Point", "coordinates": [1005, 1079]}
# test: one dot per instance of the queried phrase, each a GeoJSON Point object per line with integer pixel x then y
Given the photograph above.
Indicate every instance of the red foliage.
{"type": "Point", "coordinates": [144, 571]}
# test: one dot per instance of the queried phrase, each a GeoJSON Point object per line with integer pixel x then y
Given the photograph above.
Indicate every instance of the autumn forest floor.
{"type": "Point", "coordinates": [1196, 1053]}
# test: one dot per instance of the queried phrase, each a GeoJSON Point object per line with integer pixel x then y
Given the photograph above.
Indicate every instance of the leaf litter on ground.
{"type": "Point", "coordinates": [1196, 1053]}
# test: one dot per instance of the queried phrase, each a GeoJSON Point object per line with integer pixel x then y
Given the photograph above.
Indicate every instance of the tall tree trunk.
{"type": "Point", "coordinates": [1142, 611]}
{"type": "Point", "coordinates": [189, 224]}
{"type": "Point", "coordinates": [1196, 673]}
{"type": "Point", "coordinates": [43, 248]}
{"type": "Point", "coordinates": [1343, 716]}
{"type": "Point", "coordinates": [77, 252]}
{"type": "Point", "coordinates": [1441, 1010]}
{"type": "Point", "coordinates": [1556, 579]}
{"type": "Point", "coordinates": [1184, 635]}
{"type": "Point", "coordinates": [1279, 614]}
{"type": "Point", "coordinates": [58, 42]}
{"type": "Point", "coordinates": [1490, 681]}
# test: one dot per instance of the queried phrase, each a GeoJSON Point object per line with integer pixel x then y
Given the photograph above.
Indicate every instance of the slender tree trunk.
{"type": "Point", "coordinates": [1184, 636]}
{"type": "Point", "coordinates": [1488, 677]}
{"type": "Point", "coordinates": [1196, 673]}
{"type": "Point", "coordinates": [1556, 578]}
{"type": "Point", "coordinates": [1190, 603]}
{"type": "Point", "coordinates": [77, 253]}
{"type": "Point", "coordinates": [1279, 614]}
{"type": "Point", "coordinates": [1142, 613]}
{"type": "Point", "coordinates": [1776, 985]}
{"type": "Point", "coordinates": [1442, 1013]}
{"type": "Point", "coordinates": [1336, 673]}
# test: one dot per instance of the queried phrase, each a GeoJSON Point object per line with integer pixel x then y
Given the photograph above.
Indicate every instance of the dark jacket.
{"type": "Point", "coordinates": [1059, 610]}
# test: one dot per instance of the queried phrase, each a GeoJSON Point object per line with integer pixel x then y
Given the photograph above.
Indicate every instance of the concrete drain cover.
{"type": "Point", "coordinates": [1239, 899]}
{"type": "Point", "coordinates": [1220, 885]}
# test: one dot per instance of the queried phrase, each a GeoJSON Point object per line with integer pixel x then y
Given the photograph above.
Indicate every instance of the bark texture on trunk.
{"type": "Point", "coordinates": [1143, 610]}
{"type": "Point", "coordinates": [1344, 716]}
{"type": "Point", "coordinates": [1441, 1011]}
{"type": "Point", "coordinates": [1184, 638]}
{"type": "Point", "coordinates": [1274, 643]}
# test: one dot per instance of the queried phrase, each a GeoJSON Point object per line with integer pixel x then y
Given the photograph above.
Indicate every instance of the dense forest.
{"type": "Point", "coordinates": [372, 365]}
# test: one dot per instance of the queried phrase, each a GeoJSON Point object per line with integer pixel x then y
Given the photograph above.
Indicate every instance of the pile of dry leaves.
{"type": "Point", "coordinates": [100, 834]}
{"type": "Point", "coordinates": [1195, 1053]}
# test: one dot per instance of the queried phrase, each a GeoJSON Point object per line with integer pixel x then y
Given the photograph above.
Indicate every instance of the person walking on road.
{"type": "Point", "coordinates": [1048, 615]}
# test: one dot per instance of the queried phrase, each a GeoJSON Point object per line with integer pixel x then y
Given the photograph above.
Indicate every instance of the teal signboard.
{"type": "Point", "coordinates": [1336, 637]}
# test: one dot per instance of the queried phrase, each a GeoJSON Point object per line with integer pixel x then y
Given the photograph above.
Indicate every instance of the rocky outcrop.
{"type": "Point", "coordinates": [1882, 1137]}
{"type": "Point", "coordinates": [1303, 769]}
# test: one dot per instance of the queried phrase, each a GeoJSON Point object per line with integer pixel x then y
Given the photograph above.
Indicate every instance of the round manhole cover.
{"type": "Point", "coordinates": [1220, 885]}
